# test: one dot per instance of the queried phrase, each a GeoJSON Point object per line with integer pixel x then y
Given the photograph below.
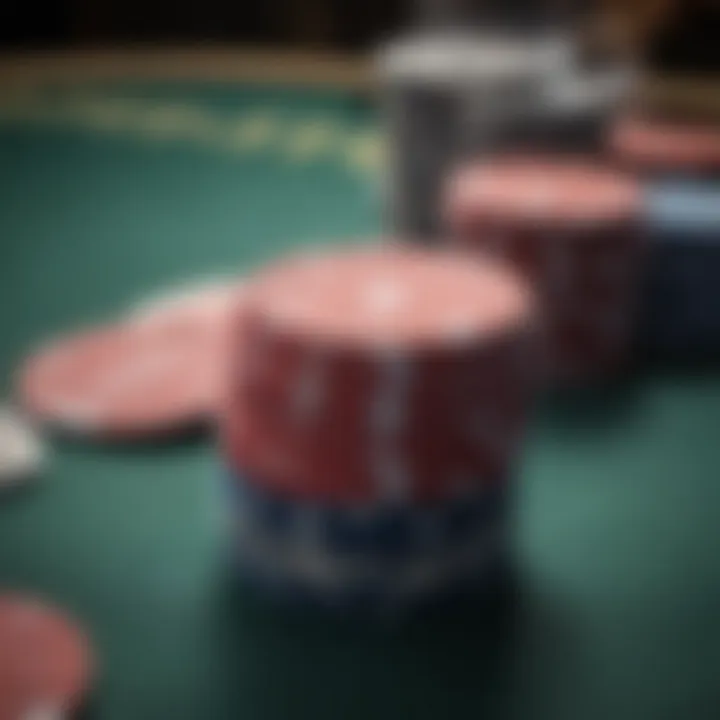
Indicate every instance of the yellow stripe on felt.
{"type": "Point", "coordinates": [365, 151]}
{"type": "Point", "coordinates": [298, 141]}
{"type": "Point", "coordinates": [99, 114]}
{"type": "Point", "coordinates": [311, 140]}
{"type": "Point", "coordinates": [176, 121]}
{"type": "Point", "coordinates": [253, 132]}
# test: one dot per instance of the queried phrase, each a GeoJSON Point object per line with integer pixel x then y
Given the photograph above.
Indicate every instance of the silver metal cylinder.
{"type": "Point", "coordinates": [450, 95]}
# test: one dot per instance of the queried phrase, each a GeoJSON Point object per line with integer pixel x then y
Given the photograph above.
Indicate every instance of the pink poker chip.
{"type": "Point", "coordinates": [45, 661]}
{"type": "Point", "coordinates": [162, 371]}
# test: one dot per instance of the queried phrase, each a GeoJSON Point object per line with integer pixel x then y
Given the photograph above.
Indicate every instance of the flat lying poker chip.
{"type": "Point", "coordinates": [45, 661]}
{"type": "Point", "coordinates": [123, 381]}
{"type": "Point", "coordinates": [160, 372]}
{"type": "Point", "coordinates": [21, 451]}
{"type": "Point", "coordinates": [202, 299]}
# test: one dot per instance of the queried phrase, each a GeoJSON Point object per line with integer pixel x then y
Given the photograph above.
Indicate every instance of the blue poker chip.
{"type": "Point", "coordinates": [362, 557]}
{"type": "Point", "coordinates": [681, 313]}
{"type": "Point", "coordinates": [688, 212]}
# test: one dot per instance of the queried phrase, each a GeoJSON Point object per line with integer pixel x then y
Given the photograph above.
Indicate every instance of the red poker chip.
{"type": "Point", "coordinates": [379, 298]}
{"type": "Point", "coordinates": [45, 661]}
{"type": "Point", "coordinates": [360, 373]}
{"type": "Point", "coordinates": [573, 230]}
{"type": "Point", "coordinates": [158, 373]}
{"type": "Point", "coordinates": [664, 146]}
{"type": "Point", "coordinates": [534, 191]}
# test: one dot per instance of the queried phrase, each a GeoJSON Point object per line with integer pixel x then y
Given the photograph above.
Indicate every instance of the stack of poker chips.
{"type": "Point", "coordinates": [679, 162]}
{"type": "Point", "coordinates": [379, 399]}
{"type": "Point", "coordinates": [681, 312]}
{"type": "Point", "coordinates": [573, 229]}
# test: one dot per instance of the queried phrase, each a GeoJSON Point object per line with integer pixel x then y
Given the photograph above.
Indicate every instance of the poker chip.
{"type": "Point", "coordinates": [202, 300]}
{"type": "Point", "coordinates": [681, 302]}
{"type": "Point", "coordinates": [558, 193]}
{"type": "Point", "coordinates": [45, 661]}
{"type": "Point", "coordinates": [381, 373]}
{"type": "Point", "coordinates": [161, 371]}
{"type": "Point", "coordinates": [373, 556]}
{"type": "Point", "coordinates": [658, 147]}
{"type": "Point", "coordinates": [573, 229]}
{"type": "Point", "coordinates": [21, 451]}
{"type": "Point", "coordinates": [125, 381]}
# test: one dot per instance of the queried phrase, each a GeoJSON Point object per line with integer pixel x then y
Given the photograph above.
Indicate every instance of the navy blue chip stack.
{"type": "Point", "coordinates": [679, 162]}
{"type": "Point", "coordinates": [386, 558]}
{"type": "Point", "coordinates": [379, 402]}
{"type": "Point", "coordinates": [682, 302]}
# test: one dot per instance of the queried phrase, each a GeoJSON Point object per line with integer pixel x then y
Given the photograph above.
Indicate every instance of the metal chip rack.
{"type": "Point", "coordinates": [452, 95]}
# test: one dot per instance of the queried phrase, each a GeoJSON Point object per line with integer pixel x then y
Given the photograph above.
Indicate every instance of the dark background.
{"type": "Point", "coordinates": [677, 35]}
{"type": "Point", "coordinates": [339, 24]}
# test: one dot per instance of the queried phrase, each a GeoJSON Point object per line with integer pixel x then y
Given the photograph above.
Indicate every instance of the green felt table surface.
{"type": "Point", "coordinates": [111, 192]}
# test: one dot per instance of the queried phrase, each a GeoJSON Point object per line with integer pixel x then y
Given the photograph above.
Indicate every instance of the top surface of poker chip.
{"type": "Point", "coordinates": [21, 453]}
{"type": "Point", "coordinates": [45, 661]}
{"type": "Point", "coordinates": [690, 211]}
{"type": "Point", "coordinates": [543, 192]}
{"type": "Point", "coordinates": [161, 371]}
{"type": "Point", "coordinates": [647, 144]}
{"type": "Point", "coordinates": [378, 297]}
{"type": "Point", "coordinates": [204, 300]}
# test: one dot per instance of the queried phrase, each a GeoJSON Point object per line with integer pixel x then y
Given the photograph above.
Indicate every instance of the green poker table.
{"type": "Point", "coordinates": [112, 188]}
